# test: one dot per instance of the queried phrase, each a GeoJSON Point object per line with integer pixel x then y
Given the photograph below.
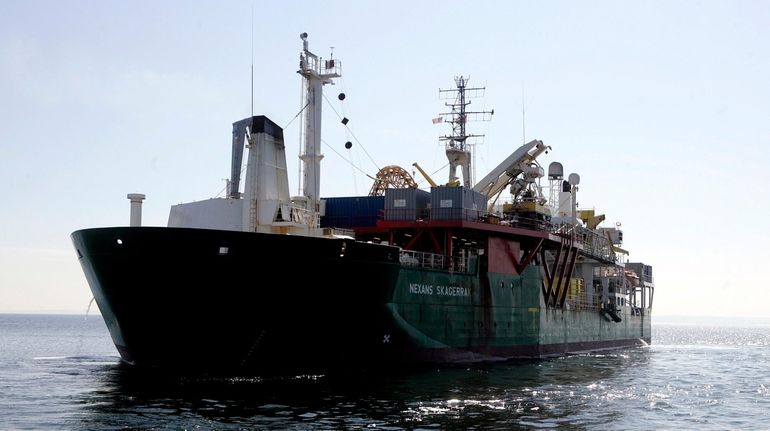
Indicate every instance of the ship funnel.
{"type": "Point", "coordinates": [136, 208]}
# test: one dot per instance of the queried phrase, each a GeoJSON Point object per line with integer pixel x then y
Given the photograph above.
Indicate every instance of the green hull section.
{"type": "Point", "coordinates": [478, 316]}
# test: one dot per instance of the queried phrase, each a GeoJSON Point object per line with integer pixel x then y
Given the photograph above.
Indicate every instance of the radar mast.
{"type": "Point", "coordinates": [458, 144]}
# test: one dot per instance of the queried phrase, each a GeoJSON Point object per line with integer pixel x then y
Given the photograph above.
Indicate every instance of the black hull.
{"type": "Point", "coordinates": [171, 300]}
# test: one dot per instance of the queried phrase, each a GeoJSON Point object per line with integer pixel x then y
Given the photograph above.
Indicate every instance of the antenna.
{"type": "Point", "coordinates": [458, 145]}
{"type": "Point", "coordinates": [252, 58]}
{"type": "Point", "coordinates": [523, 123]}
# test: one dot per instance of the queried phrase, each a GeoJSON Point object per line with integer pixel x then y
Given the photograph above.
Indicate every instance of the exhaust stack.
{"type": "Point", "coordinates": [136, 208]}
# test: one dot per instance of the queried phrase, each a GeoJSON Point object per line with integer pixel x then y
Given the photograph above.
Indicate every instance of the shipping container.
{"type": "Point", "coordinates": [457, 203]}
{"type": "Point", "coordinates": [350, 212]}
{"type": "Point", "coordinates": [406, 204]}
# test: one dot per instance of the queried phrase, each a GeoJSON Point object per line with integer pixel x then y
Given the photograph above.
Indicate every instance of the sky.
{"type": "Point", "coordinates": [662, 107]}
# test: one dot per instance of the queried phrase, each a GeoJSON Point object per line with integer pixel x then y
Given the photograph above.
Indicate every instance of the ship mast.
{"type": "Point", "coordinates": [458, 145]}
{"type": "Point", "coordinates": [316, 73]}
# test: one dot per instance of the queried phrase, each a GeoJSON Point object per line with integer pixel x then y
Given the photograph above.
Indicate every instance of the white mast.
{"type": "Point", "coordinates": [317, 73]}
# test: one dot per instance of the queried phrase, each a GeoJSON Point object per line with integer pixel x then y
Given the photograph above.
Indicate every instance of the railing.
{"type": "Point", "coordinates": [406, 214]}
{"type": "Point", "coordinates": [527, 223]}
{"type": "Point", "coordinates": [311, 62]}
{"type": "Point", "coordinates": [336, 231]}
{"type": "Point", "coordinates": [434, 261]}
{"type": "Point", "coordinates": [592, 243]}
{"type": "Point", "coordinates": [302, 216]}
{"type": "Point", "coordinates": [582, 301]}
{"type": "Point", "coordinates": [331, 67]}
{"type": "Point", "coordinates": [467, 214]}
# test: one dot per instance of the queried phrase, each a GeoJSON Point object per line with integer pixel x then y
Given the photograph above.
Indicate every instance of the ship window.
{"type": "Point", "coordinates": [223, 250]}
{"type": "Point", "coordinates": [80, 255]}
{"type": "Point", "coordinates": [119, 241]}
{"type": "Point", "coordinates": [502, 285]}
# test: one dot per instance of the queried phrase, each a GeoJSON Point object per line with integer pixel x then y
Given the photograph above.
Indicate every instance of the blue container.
{"type": "Point", "coordinates": [351, 212]}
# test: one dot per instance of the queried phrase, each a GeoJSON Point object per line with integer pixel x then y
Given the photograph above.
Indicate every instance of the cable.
{"type": "Point", "coordinates": [225, 188]}
{"type": "Point", "coordinates": [352, 134]}
{"type": "Point", "coordinates": [345, 159]}
{"type": "Point", "coordinates": [295, 117]}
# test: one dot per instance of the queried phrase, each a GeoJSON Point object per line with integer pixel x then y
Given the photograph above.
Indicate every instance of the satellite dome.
{"type": "Point", "coordinates": [555, 171]}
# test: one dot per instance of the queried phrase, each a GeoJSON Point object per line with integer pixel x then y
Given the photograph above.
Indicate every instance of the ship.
{"type": "Point", "coordinates": [504, 268]}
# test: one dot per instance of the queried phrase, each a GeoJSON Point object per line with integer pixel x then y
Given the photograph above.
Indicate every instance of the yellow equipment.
{"type": "Point", "coordinates": [394, 177]}
{"type": "Point", "coordinates": [425, 174]}
{"type": "Point", "coordinates": [590, 219]}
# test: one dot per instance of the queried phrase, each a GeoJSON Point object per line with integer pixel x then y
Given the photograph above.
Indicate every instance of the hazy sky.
{"type": "Point", "coordinates": [663, 108]}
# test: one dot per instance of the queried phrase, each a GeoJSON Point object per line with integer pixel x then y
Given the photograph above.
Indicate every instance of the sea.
{"type": "Point", "coordinates": [62, 372]}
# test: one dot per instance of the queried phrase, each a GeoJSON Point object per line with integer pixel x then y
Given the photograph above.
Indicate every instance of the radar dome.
{"type": "Point", "coordinates": [555, 171]}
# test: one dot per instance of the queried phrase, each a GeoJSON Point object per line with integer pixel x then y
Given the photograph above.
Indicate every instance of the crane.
{"type": "Point", "coordinates": [425, 174]}
{"type": "Point", "coordinates": [520, 161]}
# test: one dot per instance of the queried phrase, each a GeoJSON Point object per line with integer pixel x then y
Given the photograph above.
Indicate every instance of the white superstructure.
{"type": "Point", "coordinates": [265, 204]}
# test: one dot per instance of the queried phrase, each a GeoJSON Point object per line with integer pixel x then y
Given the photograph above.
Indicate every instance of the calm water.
{"type": "Point", "coordinates": [62, 372]}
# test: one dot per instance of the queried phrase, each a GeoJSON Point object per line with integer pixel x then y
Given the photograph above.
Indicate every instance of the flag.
{"type": "Point", "coordinates": [437, 120]}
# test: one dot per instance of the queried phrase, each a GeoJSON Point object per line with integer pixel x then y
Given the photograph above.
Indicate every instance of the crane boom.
{"type": "Point", "coordinates": [507, 171]}
{"type": "Point", "coordinates": [425, 175]}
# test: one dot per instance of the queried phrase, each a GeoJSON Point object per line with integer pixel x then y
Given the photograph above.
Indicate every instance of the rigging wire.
{"type": "Point", "coordinates": [252, 89]}
{"type": "Point", "coordinates": [352, 134]}
{"type": "Point", "coordinates": [423, 180]}
{"type": "Point", "coordinates": [341, 81]}
{"type": "Point", "coordinates": [243, 169]}
{"type": "Point", "coordinates": [330, 147]}
{"type": "Point", "coordinates": [439, 169]}
{"type": "Point", "coordinates": [345, 159]}
{"type": "Point", "coordinates": [222, 191]}
{"type": "Point", "coordinates": [484, 160]}
{"type": "Point", "coordinates": [295, 117]}
{"type": "Point", "coordinates": [245, 164]}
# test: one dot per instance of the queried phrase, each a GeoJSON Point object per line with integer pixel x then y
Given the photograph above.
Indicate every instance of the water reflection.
{"type": "Point", "coordinates": [562, 392]}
